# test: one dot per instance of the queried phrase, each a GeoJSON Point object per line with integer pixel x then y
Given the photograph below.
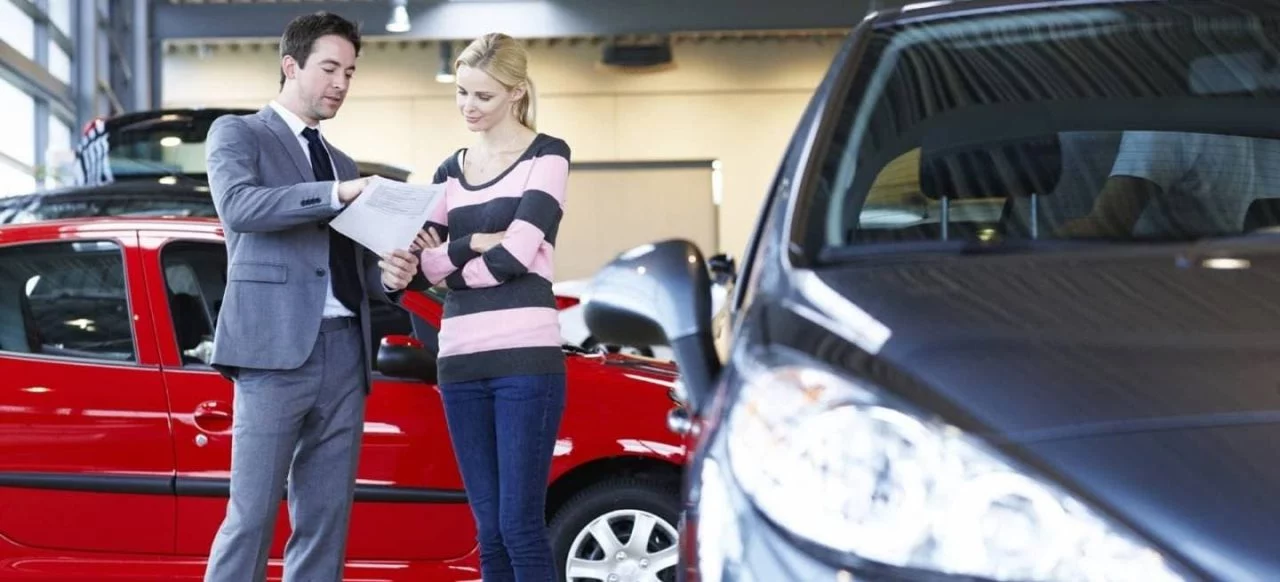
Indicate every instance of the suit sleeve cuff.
{"type": "Point", "coordinates": [460, 251]}
{"type": "Point", "coordinates": [334, 201]}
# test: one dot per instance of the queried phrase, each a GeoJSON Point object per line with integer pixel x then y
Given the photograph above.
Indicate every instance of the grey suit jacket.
{"type": "Point", "coordinates": [275, 218]}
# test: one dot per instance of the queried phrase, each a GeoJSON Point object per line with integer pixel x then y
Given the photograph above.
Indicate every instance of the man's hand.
{"type": "Point", "coordinates": [398, 268]}
{"type": "Point", "coordinates": [349, 190]}
{"type": "Point", "coordinates": [483, 241]}
{"type": "Point", "coordinates": [427, 239]}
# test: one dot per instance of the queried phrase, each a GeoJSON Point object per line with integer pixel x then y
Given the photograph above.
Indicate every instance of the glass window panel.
{"type": "Point", "coordinates": [18, 139]}
{"type": "Point", "coordinates": [194, 273]}
{"type": "Point", "coordinates": [17, 29]}
{"type": "Point", "coordinates": [60, 14]}
{"type": "Point", "coordinates": [59, 158]}
{"type": "Point", "coordinates": [14, 181]}
{"type": "Point", "coordinates": [59, 63]}
{"type": "Point", "coordinates": [71, 298]}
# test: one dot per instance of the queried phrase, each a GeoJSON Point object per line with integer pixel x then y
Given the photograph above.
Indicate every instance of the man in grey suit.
{"type": "Point", "coordinates": [295, 317]}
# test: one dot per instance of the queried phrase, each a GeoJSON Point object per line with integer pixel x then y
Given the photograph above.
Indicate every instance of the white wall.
{"type": "Point", "coordinates": [736, 101]}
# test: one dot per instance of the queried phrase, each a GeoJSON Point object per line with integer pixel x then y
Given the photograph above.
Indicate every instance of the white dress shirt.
{"type": "Point", "coordinates": [332, 307]}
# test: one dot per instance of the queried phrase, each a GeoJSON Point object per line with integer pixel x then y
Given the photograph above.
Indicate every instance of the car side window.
{"type": "Point", "coordinates": [66, 299]}
{"type": "Point", "coordinates": [195, 280]}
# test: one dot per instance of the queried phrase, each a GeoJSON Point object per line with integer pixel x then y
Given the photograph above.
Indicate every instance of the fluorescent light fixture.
{"type": "Point", "coordinates": [399, 17]}
{"type": "Point", "coordinates": [171, 141]}
{"type": "Point", "coordinates": [1226, 263]}
{"type": "Point", "coordinates": [888, 217]}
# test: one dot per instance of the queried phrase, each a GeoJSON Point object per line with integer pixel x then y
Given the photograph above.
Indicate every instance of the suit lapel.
{"type": "Point", "coordinates": [289, 141]}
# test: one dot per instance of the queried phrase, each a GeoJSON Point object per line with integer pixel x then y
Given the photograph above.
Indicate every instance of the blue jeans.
{"type": "Point", "coordinates": [503, 432]}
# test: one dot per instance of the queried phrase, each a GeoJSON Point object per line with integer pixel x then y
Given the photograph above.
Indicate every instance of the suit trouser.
{"type": "Point", "coordinates": [303, 424]}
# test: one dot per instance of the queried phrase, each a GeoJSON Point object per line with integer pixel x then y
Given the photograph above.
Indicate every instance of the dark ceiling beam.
{"type": "Point", "coordinates": [465, 19]}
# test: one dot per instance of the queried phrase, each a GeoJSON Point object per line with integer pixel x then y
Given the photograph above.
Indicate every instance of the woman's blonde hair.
{"type": "Point", "coordinates": [504, 59]}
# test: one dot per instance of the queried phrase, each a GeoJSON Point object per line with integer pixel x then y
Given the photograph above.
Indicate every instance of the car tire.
{"type": "Point", "coordinates": [620, 504]}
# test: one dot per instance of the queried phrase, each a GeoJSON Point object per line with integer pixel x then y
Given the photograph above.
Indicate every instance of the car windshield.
{"type": "Point", "coordinates": [1120, 122]}
{"type": "Point", "coordinates": [148, 146]}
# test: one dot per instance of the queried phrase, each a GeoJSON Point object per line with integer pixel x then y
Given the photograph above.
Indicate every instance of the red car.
{"type": "Point", "coordinates": [115, 433]}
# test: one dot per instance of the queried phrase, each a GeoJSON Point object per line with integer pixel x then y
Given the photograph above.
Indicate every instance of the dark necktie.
{"type": "Point", "coordinates": [342, 252]}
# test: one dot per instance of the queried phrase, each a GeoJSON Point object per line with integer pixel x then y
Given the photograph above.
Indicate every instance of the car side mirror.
{"type": "Point", "coordinates": [723, 268]}
{"type": "Point", "coordinates": [659, 294]}
{"type": "Point", "coordinates": [401, 356]}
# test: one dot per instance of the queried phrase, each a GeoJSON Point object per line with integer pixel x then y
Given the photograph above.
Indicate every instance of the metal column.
{"type": "Point", "coordinates": [140, 57]}
{"type": "Point", "coordinates": [84, 64]}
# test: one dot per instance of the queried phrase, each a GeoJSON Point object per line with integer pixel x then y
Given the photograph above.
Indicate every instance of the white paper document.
{"type": "Point", "coordinates": [388, 215]}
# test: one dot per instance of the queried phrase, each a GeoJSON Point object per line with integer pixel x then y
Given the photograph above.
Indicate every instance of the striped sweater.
{"type": "Point", "coordinates": [500, 315]}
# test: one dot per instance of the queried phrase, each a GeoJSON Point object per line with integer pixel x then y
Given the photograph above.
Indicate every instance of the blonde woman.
{"type": "Point", "coordinates": [501, 368]}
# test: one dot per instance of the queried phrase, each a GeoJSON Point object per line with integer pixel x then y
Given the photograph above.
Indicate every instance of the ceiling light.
{"type": "Point", "coordinates": [171, 141]}
{"type": "Point", "coordinates": [1226, 263]}
{"type": "Point", "coordinates": [399, 17]}
{"type": "Point", "coordinates": [888, 217]}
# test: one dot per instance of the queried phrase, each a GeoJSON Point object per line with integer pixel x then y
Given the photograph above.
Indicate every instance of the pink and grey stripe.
{"type": "Point", "coordinates": [500, 315]}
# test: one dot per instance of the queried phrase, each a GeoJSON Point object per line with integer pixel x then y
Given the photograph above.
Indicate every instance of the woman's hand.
{"type": "Point", "coordinates": [483, 241]}
{"type": "Point", "coordinates": [427, 239]}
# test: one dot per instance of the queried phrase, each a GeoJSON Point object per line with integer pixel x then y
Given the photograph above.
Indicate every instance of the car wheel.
{"type": "Point", "coordinates": [619, 529]}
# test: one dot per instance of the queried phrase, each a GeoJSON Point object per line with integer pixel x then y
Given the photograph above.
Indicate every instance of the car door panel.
{"type": "Point", "coordinates": [84, 424]}
{"type": "Point", "coordinates": [409, 499]}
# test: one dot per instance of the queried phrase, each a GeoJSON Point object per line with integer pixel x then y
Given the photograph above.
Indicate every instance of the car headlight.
{"type": "Point", "coordinates": [836, 464]}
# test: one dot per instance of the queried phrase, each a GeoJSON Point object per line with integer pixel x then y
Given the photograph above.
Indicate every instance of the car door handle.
{"type": "Point", "coordinates": [213, 416]}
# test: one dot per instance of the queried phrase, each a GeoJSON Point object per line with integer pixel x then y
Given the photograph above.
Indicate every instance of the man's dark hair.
{"type": "Point", "coordinates": [301, 34]}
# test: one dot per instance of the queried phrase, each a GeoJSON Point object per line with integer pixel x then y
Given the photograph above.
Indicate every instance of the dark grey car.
{"type": "Point", "coordinates": [1011, 310]}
